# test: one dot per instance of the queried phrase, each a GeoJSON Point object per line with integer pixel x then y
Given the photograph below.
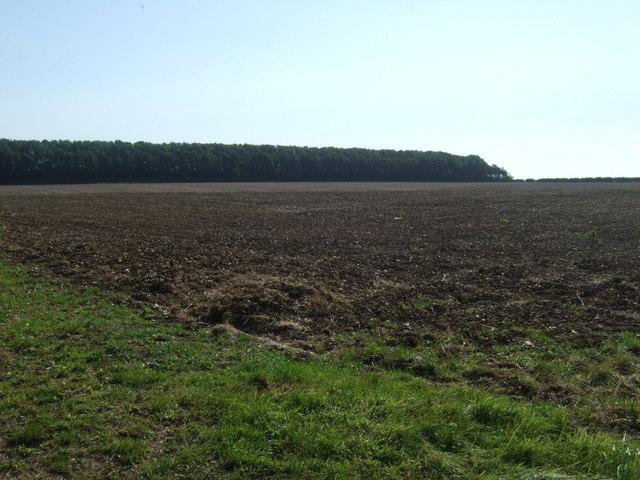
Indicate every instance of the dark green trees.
{"type": "Point", "coordinates": [63, 161]}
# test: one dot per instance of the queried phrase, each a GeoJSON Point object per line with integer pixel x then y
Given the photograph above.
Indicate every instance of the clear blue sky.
{"type": "Point", "coordinates": [543, 88]}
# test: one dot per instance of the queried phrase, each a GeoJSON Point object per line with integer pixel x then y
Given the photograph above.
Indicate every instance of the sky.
{"type": "Point", "coordinates": [545, 88]}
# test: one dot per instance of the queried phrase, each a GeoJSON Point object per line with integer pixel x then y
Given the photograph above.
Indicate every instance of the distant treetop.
{"type": "Point", "coordinates": [64, 161]}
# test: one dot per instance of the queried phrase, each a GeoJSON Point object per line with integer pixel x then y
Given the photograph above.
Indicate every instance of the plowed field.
{"type": "Point", "coordinates": [299, 267]}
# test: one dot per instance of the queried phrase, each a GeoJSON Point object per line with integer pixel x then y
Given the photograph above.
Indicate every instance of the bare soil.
{"type": "Point", "coordinates": [298, 263]}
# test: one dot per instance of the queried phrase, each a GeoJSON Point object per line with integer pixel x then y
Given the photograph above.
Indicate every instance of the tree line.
{"type": "Point", "coordinates": [585, 180]}
{"type": "Point", "coordinates": [64, 161]}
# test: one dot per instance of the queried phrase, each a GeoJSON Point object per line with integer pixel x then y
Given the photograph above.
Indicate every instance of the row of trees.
{"type": "Point", "coordinates": [587, 180]}
{"type": "Point", "coordinates": [63, 161]}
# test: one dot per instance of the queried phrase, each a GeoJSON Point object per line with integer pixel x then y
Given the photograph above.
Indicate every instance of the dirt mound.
{"type": "Point", "coordinates": [260, 304]}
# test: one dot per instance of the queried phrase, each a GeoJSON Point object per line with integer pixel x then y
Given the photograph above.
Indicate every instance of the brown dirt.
{"type": "Point", "coordinates": [299, 266]}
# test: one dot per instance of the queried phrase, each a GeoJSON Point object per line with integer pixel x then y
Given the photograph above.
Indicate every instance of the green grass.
{"type": "Point", "coordinates": [91, 389]}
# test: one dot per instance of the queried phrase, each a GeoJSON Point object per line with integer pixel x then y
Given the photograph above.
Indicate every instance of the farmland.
{"type": "Point", "coordinates": [466, 259]}
{"type": "Point", "coordinates": [529, 291]}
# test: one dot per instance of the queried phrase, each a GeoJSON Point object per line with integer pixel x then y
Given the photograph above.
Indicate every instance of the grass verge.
{"type": "Point", "coordinates": [91, 389]}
